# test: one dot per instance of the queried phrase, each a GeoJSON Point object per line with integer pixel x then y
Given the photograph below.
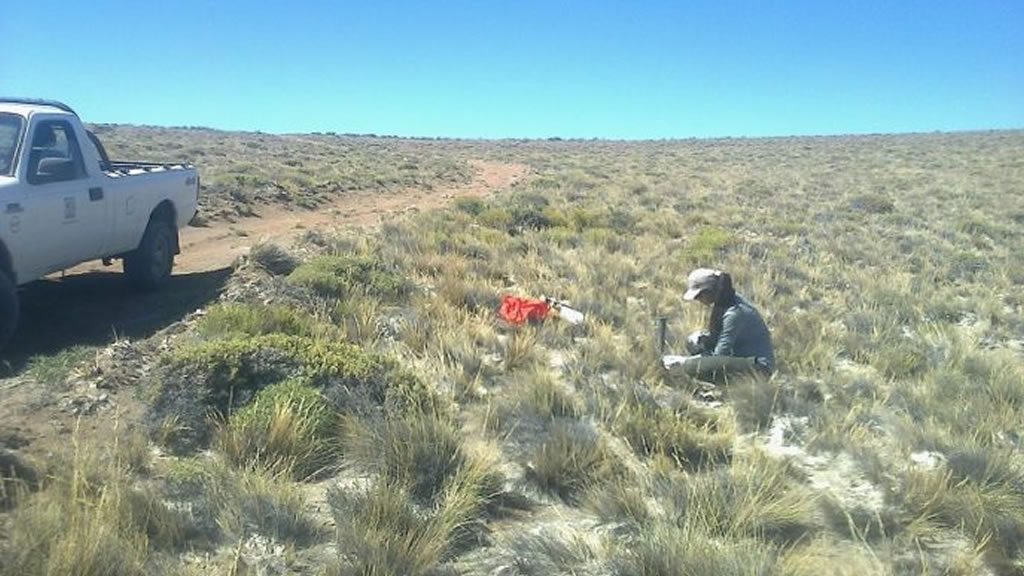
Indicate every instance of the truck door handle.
{"type": "Point", "coordinates": [95, 194]}
{"type": "Point", "coordinates": [14, 208]}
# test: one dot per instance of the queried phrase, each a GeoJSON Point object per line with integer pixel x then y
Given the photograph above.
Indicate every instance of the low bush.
{"type": "Point", "coordinates": [690, 439]}
{"type": "Point", "coordinates": [872, 204]}
{"type": "Point", "coordinates": [620, 502]}
{"type": "Point", "coordinates": [221, 376]}
{"type": "Point", "coordinates": [257, 320]}
{"type": "Point", "coordinates": [573, 459]}
{"type": "Point", "coordinates": [289, 426]}
{"type": "Point", "coordinates": [273, 259]}
{"type": "Point", "coordinates": [89, 517]}
{"type": "Point", "coordinates": [470, 205]}
{"type": "Point", "coordinates": [382, 531]}
{"type": "Point", "coordinates": [707, 245]}
{"type": "Point", "coordinates": [420, 449]}
{"type": "Point", "coordinates": [664, 549]}
{"type": "Point", "coordinates": [16, 476]}
{"type": "Point", "coordinates": [225, 503]}
{"type": "Point", "coordinates": [981, 494]}
{"type": "Point", "coordinates": [548, 550]}
{"type": "Point", "coordinates": [341, 276]}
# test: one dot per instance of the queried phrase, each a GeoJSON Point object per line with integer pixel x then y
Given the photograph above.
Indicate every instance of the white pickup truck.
{"type": "Point", "coordinates": [63, 202]}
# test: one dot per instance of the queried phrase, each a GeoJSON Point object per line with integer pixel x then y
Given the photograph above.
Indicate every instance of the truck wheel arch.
{"type": "Point", "coordinates": [166, 212]}
{"type": "Point", "coordinates": [7, 263]}
{"type": "Point", "coordinates": [9, 305]}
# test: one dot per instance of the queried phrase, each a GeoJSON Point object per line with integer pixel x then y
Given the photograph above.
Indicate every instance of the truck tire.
{"type": "Point", "coordinates": [8, 310]}
{"type": "Point", "coordinates": [149, 266]}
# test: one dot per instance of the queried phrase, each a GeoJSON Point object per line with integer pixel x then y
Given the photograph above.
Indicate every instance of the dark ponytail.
{"type": "Point", "coordinates": [726, 298]}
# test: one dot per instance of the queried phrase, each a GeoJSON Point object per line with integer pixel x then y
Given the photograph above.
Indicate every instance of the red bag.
{"type": "Point", "coordinates": [517, 310]}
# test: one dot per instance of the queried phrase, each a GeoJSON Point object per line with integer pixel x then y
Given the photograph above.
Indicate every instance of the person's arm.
{"type": "Point", "coordinates": [731, 323]}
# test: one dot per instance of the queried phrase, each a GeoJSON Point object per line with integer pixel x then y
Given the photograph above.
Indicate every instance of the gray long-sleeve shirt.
{"type": "Point", "coordinates": [745, 334]}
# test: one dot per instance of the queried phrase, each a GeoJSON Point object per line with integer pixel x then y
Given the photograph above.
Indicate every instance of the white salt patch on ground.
{"type": "Point", "coordinates": [841, 476]}
{"type": "Point", "coordinates": [836, 474]}
{"type": "Point", "coordinates": [556, 359]}
{"type": "Point", "coordinates": [927, 460]}
{"type": "Point", "coordinates": [781, 429]}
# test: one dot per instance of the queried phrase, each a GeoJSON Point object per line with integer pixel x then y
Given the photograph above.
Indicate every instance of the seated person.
{"type": "Point", "coordinates": [736, 341]}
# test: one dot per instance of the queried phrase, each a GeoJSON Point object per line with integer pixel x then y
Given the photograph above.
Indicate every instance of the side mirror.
{"type": "Point", "coordinates": [56, 169]}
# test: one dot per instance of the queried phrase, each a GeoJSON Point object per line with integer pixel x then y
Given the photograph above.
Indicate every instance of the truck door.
{"type": "Point", "coordinates": [64, 212]}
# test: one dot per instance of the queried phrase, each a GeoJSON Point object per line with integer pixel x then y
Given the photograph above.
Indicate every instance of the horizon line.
{"type": "Point", "coordinates": [557, 138]}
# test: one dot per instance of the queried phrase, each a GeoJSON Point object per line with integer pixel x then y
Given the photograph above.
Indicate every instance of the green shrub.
{"type": "Point", "coordinates": [54, 369]}
{"type": "Point", "coordinates": [273, 259]}
{"type": "Point", "coordinates": [289, 426]}
{"type": "Point", "coordinates": [522, 213]}
{"type": "Point", "coordinates": [495, 218]}
{"type": "Point", "coordinates": [583, 219]}
{"type": "Point", "coordinates": [532, 217]}
{"type": "Point", "coordinates": [340, 276]}
{"type": "Point", "coordinates": [707, 245]}
{"type": "Point", "coordinates": [221, 376]}
{"type": "Point", "coordinates": [470, 205]}
{"type": "Point", "coordinates": [257, 320]}
{"type": "Point", "coordinates": [872, 204]}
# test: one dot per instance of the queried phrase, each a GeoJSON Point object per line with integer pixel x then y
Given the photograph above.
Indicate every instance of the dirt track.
{"type": "Point", "coordinates": [218, 245]}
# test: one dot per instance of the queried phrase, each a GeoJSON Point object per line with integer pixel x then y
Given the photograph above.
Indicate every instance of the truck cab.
{"type": "Point", "coordinates": [63, 202]}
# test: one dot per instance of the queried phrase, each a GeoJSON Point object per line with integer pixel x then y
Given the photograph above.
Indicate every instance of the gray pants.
{"type": "Point", "coordinates": [719, 369]}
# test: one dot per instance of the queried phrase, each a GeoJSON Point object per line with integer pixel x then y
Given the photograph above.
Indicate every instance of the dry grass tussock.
{"type": "Point", "coordinates": [372, 368]}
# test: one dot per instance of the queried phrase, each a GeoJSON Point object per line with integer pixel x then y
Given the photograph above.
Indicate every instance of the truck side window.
{"type": "Point", "coordinates": [54, 155]}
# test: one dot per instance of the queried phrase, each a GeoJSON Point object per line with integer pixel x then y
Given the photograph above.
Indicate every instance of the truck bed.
{"type": "Point", "coordinates": [125, 168]}
{"type": "Point", "coordinates": [117, 168]}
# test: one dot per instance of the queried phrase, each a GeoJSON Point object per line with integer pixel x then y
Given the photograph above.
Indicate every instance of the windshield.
{"type": "Point", "coordinates": [10, 134]}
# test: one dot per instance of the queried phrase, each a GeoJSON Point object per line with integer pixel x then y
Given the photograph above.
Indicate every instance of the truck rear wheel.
{"type": "Point", "coordinates": [8, 310]}
{"type": "Point", "coordinates": [149, 266]}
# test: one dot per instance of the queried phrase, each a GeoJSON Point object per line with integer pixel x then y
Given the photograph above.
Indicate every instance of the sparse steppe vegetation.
{"type": "Point", "coordinates": [358, 408]}
{"type": "Point", "coordinates": [244, 172]}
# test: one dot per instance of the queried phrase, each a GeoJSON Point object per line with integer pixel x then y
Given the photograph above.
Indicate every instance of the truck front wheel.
{"type": "Point", "coordinates": [149, 266]}
{"type": "Point", "coordinates": [8, 310]}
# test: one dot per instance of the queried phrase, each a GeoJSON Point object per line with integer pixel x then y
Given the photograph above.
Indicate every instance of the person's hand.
{"type": "Point", "coordinates": [668, 361]}
{"type": "Point", "coordinates": [698, 342]}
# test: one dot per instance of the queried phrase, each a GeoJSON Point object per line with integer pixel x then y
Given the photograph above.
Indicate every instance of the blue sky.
{"type": "Point", "coordinates": [534, 69]}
